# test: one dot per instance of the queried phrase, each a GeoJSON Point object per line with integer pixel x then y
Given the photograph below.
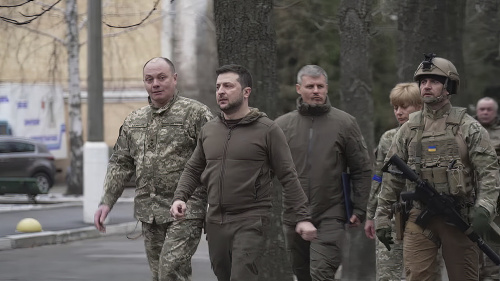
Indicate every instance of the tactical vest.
{"type": "Point", "coordinates": [440, 156]}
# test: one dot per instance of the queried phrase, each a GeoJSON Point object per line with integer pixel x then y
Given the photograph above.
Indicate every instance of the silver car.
{"type": "Point", "coordinates": [23, 157]}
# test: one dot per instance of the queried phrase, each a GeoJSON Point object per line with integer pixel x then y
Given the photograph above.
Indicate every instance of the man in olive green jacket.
{"type": "Point", "coordinates": [325, 142]}
{"type": "Point", "coordinates": [236, 158]}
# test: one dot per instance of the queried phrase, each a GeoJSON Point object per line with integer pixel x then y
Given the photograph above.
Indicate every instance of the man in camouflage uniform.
{"type": "Point", "coordinates": [452, 151]}
{"type": "Point", "coordinates": [155, 142]}
{"type": "Point", "coordinates": [486, 114]}
{"type": "Point", "coordinates": [405, 99]}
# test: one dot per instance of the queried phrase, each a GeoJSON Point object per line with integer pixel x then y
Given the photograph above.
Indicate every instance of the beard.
{"type": "Point", "coordinates": [434, 100]}
{"type": "Point", "coordinates": [232, 106]}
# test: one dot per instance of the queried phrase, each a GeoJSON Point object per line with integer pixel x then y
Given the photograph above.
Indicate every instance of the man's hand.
{"type": "Point", "coordinates": [178, 209]}
{"type": "Point", "coordinates": [100, 216]}
{"type": "Point", "coordinates": [480, 220]}
{"type": "Point", "coordinates": [354, 221]}
{"type": "Point", "coordinates": [370, 229]}
{"type": "Point", "coordinates": [384, 235]}
{"type": "Point", "coordinates": [306, 230]}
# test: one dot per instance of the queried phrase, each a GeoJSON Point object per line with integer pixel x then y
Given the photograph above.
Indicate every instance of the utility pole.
{"type": "Point", "coordinates": [95, 150]}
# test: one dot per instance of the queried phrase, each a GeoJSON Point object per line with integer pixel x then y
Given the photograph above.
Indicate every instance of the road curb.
{"type": "Point", "coordinates": [29, 240]}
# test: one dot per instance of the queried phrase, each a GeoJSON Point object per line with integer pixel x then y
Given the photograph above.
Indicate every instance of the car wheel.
{"type": "Point", "coordinates": [43, 182]}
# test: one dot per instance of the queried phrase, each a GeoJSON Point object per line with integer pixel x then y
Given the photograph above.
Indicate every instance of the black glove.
{"type": "Point", "coordinates": [480, 220]}
{"type": "Point", "coordinates": [384, 235]}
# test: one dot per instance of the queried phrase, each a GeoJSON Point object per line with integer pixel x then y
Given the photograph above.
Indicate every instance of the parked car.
{"type": "Point", "coordinates": [23, 157]}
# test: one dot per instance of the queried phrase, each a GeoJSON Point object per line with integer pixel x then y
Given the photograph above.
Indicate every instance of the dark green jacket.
{"type": "Point", "coordinates": [324, 142]}
{"type": "Point", "coordinates": [237, 166]}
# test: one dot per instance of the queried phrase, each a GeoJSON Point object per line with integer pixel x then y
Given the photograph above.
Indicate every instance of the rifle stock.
{"type": "Point", "coordinates": [437, 204]}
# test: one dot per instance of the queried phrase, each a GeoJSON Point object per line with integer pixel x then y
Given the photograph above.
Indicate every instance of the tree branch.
{"type": "Point", "coordinates": [139, 23]}
{"type": "Point", "coordinates": [18, 5]}
{"type": "Point", "coordinates": [34, 17]}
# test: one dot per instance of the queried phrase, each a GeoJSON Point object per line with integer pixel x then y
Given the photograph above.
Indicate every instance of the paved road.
{"type": "Point", "coordinates": [62, 217]}
{"type": "Point", "coordinates": [110, 258]}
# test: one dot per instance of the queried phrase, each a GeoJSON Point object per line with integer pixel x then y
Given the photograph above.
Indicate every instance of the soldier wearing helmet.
{"type": "Point", "coordinates": [452, 151]}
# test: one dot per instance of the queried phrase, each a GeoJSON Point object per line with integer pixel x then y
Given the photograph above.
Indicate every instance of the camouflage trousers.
{"type": "Point", "coordinates": [169, 248]}
{"type": "Point", "coordinates": [389, 264]}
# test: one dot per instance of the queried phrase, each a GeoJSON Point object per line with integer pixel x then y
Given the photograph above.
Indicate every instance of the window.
{"type": "Point", "coordinates": [11, 147]}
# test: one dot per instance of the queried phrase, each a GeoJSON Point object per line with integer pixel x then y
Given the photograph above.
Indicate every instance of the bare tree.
{"type": "Point", "coordinates": [75, 178]}
{"type": "Point", "coordinates": [72, 46]}
{"type": "Point", "coordinates": [71, 42]}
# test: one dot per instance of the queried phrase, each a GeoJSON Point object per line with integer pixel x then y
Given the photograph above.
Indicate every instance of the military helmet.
{"type": "Point", "coordinates": [433, 65]}
{"type": "Point", "coordinates": [28, 225]}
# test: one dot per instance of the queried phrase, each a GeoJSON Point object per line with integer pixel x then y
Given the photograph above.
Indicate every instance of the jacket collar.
{"type": "Point", "coordinates": [437, 114]}
{"type": "Point", "coordinates": [313, 110]}
{"type": "Point", "coordinates": [493, 124]}
{"type": "Point", "coordinates": [253, 115]}
{"type": "Point", "coordinates": [167, 106]}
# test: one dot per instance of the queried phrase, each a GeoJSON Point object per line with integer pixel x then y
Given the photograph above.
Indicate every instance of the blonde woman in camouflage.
{"type": "Point", "coordinates": [405, 99]}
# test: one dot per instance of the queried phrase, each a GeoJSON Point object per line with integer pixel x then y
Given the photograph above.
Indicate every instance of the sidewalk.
{"type": "Point", "coordinates": [61, 217]}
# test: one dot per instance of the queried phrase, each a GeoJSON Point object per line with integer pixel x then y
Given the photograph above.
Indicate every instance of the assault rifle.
{"type": "Point", "coordinates": [436, 204]}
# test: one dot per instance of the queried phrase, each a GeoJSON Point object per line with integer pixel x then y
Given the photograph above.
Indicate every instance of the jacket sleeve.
{"type": "Point", "coordinates": [120, 169]}
{"type": "Point", "coordinates": [190, 177]}
{"type": "Point", "coordinates": [380, 153]}
{"type": "Point", "coordinates": [358, 161]}
{"type": "Point", "coordinates": [295, 207]}
{"type": "Point", "coordinates": [391, 185]}
{"type": "Point", "coordinates": [484, 161]}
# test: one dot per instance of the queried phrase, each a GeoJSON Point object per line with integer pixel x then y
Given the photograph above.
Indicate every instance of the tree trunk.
{"type": "Point", "coordinates": [482, 46]}
{"type": "Point", "coordinates": [356, 76]}
{"type": "Point", "coordinates": [421, 31]}
{"type": "Point", "coordinates": [245, 35]}
{"type": "Point", "coordinates": [75, 177]}
{"type": "Point", "coordinates": [356, 98]}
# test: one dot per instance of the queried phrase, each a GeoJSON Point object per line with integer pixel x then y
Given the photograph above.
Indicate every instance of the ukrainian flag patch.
{"type": "Point", "coordinates": [431, 148]}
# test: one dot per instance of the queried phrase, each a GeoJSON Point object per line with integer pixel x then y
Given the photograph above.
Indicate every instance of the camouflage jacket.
{"type": "Point", "coordinates": [480, 152]}
{"type": "Point", "coordinates": [494, 132]}
{"type": "Point", "coordinates": [383, 147]}
{"type": "Point", "coordinates": [156, 143]}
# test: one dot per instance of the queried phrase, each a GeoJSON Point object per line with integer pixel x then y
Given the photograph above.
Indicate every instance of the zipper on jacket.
{"type": "Point", "coordinates": [221, 176]}
{"type": "Point", "coordinates": [309, 164]}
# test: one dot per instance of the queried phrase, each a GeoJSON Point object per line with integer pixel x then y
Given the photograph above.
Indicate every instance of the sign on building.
{"type": "Point", "coordinates": [35, 111]}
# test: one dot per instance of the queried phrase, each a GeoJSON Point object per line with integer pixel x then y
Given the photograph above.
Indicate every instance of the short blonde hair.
{"type": "Point", "coordinates": [406, 94]}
